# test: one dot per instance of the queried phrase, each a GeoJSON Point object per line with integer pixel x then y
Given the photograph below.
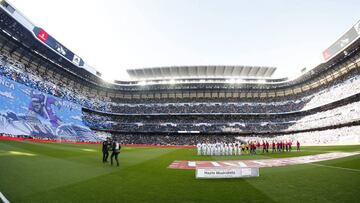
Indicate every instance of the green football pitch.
{"type": "Point", "coordinates": [59, 172]}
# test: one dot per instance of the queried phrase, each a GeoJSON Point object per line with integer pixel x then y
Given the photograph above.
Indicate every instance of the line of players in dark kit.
{"type": "Point", "coordinates": [111, 145]}
{"type": "Point", "coordinates": [279, 146]}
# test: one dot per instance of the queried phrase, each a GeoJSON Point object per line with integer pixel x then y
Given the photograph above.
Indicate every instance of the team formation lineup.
{"type": "Point", "coordinates": [157, 106]}
{"type": "Point", "coordinates": [238, 148]}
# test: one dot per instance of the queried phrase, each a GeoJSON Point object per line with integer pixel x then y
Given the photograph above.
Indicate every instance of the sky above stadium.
{"type": "Point", "coordinates": [115, 35]}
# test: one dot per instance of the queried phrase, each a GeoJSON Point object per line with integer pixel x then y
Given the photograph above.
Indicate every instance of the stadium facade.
{"type": "Point", "coordinates": [48, 91]}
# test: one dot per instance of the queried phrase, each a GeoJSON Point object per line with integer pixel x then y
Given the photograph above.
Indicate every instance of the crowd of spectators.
{"type": "Point", "coordinates": [97, 121]}
{"type": "Point", "coordinates": [344, 135]}
{"type": "Point", "coordinates": [341, 115]}
{"type": "Point", "coordinates": [18, 72]}
{"type": "Point", "coordinates": [172, 139]}
{"type": "Point", "coordinates": [158, 116]}
{"type": "Point", "coordinates": [217, 123]}
{"type": "Point", "coordinates": [207, 107]}
{"type": "Point", "coordinates": [343, 88]}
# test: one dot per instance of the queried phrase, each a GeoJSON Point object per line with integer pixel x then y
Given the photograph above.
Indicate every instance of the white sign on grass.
{"type": "Point", "coordinates": [226, 172]}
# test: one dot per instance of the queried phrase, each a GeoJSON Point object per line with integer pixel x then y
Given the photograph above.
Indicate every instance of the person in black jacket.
{"type": "Point", "coordinates": [115, 152]}
{"type": "Point", "coordinates": [105, 150]}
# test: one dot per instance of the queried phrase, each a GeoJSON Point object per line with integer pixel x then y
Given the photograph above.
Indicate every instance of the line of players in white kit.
{"type": "Point", "coordinates": [219, 149]}
{"type": "Point", "coordinates": [252, 147]}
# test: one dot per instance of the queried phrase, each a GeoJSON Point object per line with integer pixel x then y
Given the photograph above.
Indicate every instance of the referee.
{"type": "Point", "coordinates": [105, 150]}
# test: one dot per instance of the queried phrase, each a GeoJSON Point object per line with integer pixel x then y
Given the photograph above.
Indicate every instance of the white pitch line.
{"type": "Point", "coordinates": [3, 198]}
{"type": "Point", "coordinates": [215, 164]}
{"type": "Point", "coordinates": [192, 163]}
{"type": "Point", "coordinates": [335, 167]}
{"type": "Point", "coordinates": [242, 164]}
{"type": "Point", "coordinates": [259, 162]}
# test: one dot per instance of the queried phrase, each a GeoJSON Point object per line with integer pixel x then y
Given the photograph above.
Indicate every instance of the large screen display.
{"type": "Point", "coordinates": [56, 46]}
{"type": "Point", "coordinates": [343, 42]}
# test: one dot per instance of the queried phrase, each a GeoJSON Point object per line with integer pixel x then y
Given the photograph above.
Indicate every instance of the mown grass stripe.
{"type": "Point", "coordinates": [336, 167]}
{"type": "Point", "coordinates": [65, 173]}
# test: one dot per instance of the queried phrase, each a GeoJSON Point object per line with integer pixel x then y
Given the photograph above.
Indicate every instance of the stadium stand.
{"type": "Point", "coordinates": [63, 98]}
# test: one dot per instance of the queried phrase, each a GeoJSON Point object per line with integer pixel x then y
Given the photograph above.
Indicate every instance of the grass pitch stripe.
{"type": "Point", "coordinates": [335, 167]}
{"type": "Point", "coordinates": [3, 198]}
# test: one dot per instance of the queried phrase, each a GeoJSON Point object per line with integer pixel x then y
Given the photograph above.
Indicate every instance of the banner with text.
{"type": "Point", "coordinates": [226, 172]}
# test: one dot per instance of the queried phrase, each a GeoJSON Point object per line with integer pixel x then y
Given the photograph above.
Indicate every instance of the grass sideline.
{"type": "Point", "coordinates": [60, 172]}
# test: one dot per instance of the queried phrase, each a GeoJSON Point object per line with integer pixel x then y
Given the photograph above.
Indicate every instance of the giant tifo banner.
{"type": "Point", "coordinates": [25, 111]}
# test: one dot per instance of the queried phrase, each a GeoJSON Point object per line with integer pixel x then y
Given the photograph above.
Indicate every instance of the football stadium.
{"type": "Point", "coordinates": [194, 133]}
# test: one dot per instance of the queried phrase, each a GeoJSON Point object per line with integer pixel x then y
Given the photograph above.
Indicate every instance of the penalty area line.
{"type": "Point", "coordinates": [336, 167]}
{"type": "Point", "coordinates": [3, 198]}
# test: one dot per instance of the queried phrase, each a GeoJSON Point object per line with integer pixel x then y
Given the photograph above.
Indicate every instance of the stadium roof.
{"type": "Point", "coordinates": [174, 72]}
